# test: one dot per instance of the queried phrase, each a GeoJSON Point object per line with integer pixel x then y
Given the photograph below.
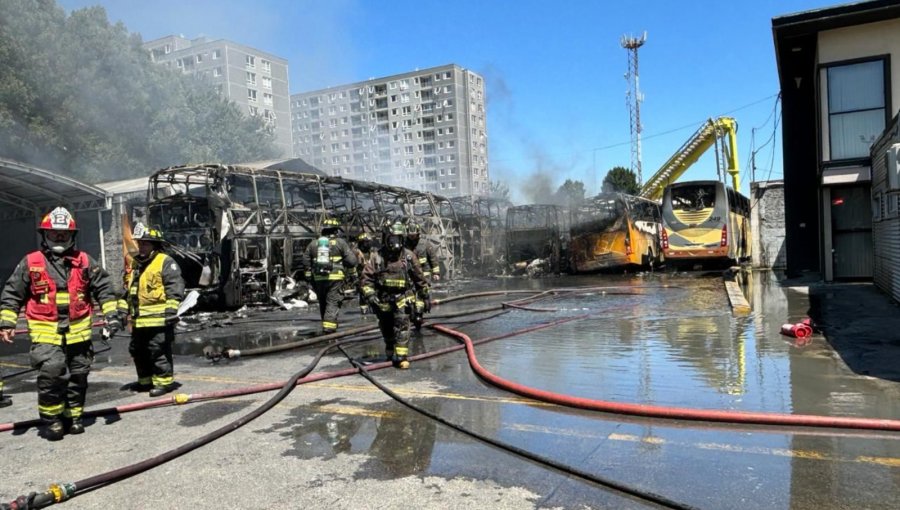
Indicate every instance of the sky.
{"type": "Point", "coordinates": [554, 70]}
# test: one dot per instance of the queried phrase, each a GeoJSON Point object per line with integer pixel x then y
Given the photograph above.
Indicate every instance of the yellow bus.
{"type": "Point", "coordinates": [704, 222]}
{"type": "Point", "coordinates": [615, 230]}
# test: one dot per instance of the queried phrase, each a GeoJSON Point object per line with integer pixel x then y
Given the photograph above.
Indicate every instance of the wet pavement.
{"type": "Point", "coordinates": [660, 339]}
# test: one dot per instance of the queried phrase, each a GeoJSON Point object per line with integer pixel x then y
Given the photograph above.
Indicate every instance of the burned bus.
{"type": "Point", "coordinates": [236, 230]}
{"type": "Point", "coordinates": [482, 225]}
{"type": "Point", "coordinates": [537, 235]}
{"type": "Point", "coordinates": [614, 231]}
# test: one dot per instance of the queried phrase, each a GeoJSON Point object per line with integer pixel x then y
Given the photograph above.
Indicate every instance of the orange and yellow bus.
{"type": "Point", "coordinates": [615, 230]}
{"type": "Point", "coordinates": [704, 222]}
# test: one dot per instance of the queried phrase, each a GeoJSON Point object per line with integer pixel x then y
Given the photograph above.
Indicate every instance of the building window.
{"type": "Point", "coordinates": [267, 82]}
{"type": "Point", "coordinates": [251, 78]}
{"type": "Point", "coordinates": [266, 65]}
{"type": "Point", "coordinates": [251, 61]}
{"type": "Point", "coordinates": [856, 108]}
{"type": "Point", "coordinates": [251, 95]}
{"type": "Point", "coordinates": [217, 72]}
{"type": "Point", "coordinates": [216, 54]}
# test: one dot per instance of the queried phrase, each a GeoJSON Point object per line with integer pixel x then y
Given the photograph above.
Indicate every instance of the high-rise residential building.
{"type": "Point", "coordinates": [422, 130]}
{"type": "Point", "coordinates": [255, 80]}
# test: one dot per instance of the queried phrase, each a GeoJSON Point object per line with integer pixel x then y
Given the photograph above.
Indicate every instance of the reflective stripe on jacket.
{"type": "Point", "coordinates": [148, 299]}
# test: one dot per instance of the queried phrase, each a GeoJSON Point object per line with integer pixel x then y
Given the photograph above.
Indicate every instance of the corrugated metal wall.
{"type": "Point", "coordinates": [885, 217]}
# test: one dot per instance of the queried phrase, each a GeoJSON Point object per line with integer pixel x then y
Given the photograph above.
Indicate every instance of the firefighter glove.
{"type": "Point", "coordinates": [373, 300]}
{"type": "Point", "coordinates": [113, 324]}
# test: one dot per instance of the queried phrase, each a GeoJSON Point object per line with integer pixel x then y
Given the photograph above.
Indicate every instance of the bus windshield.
{"type": "Point", "coordinates": [695, 197]}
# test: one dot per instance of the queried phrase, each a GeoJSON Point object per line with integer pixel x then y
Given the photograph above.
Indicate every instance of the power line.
{"type": "Point", "coordinates": [663, 133]}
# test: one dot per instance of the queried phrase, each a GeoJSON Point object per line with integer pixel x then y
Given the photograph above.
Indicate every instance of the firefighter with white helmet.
{"type": "Point", "coordinates": [154, 288]}
{"type": "Point", "coordinates": [56, 285]}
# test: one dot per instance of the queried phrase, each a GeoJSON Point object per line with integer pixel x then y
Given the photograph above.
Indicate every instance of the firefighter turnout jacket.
{"type": "Point", "coordinates": [155, 288]}
{"type": "Point", "coordinates": [328, 259]}
{"type": "Point", "coordinates": [393, 278]}
{"type": "Point", "coordinates": [428, 259]}
{"type": "Point", "coordinates": [56, 291]}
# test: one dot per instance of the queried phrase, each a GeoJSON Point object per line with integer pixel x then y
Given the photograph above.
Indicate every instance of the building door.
{"type": "Point", "coordinates": [851, 232]}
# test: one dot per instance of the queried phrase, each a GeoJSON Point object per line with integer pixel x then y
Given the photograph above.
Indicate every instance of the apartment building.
{"type": "Point", "coordinates": [255, 80]}
{"type": "Point", "coordinates": [424, 130]}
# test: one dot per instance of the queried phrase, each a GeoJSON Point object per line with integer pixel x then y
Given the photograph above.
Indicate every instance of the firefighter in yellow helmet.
{"type": "Point", "coordinates": [153, 290]}
{"type": "Point", "coordinates": [327, 262]}
{"type": "Point", "coordinates": [390, 280]}
{"type": "Point", "coordinates": [56, 285]}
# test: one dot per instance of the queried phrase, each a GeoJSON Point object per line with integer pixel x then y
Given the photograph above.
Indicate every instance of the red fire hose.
{"type": "Point", "coordinates": [677, 413]}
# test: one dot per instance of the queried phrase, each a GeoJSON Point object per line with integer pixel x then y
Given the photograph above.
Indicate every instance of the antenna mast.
{"type": "Point", "coordinates": [633, 100]}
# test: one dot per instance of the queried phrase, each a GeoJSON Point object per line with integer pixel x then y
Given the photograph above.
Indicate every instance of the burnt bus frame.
{"type": "Point", "coordinates": [247, 245]}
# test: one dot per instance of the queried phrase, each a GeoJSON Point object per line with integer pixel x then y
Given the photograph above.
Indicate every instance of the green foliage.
{"type": "Point", "coordinates": [621, 180]}
{"type": "Point", "coordinates": [570, 193]}
{"type": "Point", "coordinates": [81, 97]}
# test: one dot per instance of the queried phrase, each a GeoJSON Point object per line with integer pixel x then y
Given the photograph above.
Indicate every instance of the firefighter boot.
{"type": "Point", "coordinates": [5, 400]}
{"type": "Point", "coordinates": [76, 427]}
{"type": "Point", "coordinates": [158, 391]}
{"type": "Point", "coordinates": [401, 362]}
{"type": "Point", "coordinates": [53, 430]}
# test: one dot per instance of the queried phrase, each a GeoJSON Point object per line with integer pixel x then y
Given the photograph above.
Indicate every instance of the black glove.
{"type": "Point", "coordinates": [113, 325]}
{"type": "Point", "coordinates": [427, 301]}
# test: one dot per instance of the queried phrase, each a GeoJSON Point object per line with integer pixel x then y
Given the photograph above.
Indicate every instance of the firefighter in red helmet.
{"type": "Point", "coordinates": [56, 285]}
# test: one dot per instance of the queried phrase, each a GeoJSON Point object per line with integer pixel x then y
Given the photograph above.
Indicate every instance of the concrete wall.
{"type": "Point", "coordinates": [767, 224]}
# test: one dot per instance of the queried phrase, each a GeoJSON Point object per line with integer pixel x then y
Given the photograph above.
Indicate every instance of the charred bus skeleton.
{"type": "Point", "coordinates": [482, 225]}
{"type": "Point", "coordinates": [236, 230]}
{"type": "Point", "coordinates": [537, 233]}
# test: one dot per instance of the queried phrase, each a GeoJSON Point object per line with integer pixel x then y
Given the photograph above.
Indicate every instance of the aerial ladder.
{"type": "Point", "coordinates": [722, 132]}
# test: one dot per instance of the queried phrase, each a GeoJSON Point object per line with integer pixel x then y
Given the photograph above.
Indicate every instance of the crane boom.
{"type": "Point", "coordinates": [705, 137]}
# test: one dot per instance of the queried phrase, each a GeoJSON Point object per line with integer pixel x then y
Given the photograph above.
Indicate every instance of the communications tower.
{"type": "Point", "coordinates": [633, 100]}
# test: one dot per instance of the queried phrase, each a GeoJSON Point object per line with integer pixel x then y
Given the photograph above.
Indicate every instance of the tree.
{"type": "Point", "coordinates": [499, 190]}
{"type": "Point", "coordinates": [570, 193]}
{"type": "Point", "coordinates": [80, 96]}
{"type": "Point", "coordinates": [621, 180]}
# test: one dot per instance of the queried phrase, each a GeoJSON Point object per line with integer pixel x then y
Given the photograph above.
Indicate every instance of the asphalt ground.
{"type": "Point", "coordinates": [342, 443]}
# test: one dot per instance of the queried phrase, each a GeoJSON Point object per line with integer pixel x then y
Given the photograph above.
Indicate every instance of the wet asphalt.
{"type": "Point", "coordinates": [666, 339]}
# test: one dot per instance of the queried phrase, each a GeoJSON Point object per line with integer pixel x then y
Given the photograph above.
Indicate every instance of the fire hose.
{"type": "Point", "coordinates": [676, 413]}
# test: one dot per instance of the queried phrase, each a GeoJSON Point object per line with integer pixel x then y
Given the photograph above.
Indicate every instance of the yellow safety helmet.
{"type": "Point", "coordinates": [143, 233]}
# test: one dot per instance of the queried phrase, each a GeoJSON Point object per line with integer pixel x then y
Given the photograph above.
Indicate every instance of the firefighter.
{"type": "Point", "coordinates": [431, 268]}
{"type": "Point", "coordinates": [363, 254]}
{"type": "Point", "coordinates": [389, 282]}
{"type": "Point", "coordinates": [326, 264]}
{"type": "Point", "coordinates": [56, 285]}
{"type": "Point", "coordinates": [154, 290]}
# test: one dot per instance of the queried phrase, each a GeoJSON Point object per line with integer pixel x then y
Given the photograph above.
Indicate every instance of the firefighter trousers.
{"type": "Point", "coordinates": [331, 297]}
{"type": "Point", "coordinates": [151, 349]}
{"type": "Point", "coordinates": [62, 378]}
{"type": "Point", "coordinates": [393, 322]}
